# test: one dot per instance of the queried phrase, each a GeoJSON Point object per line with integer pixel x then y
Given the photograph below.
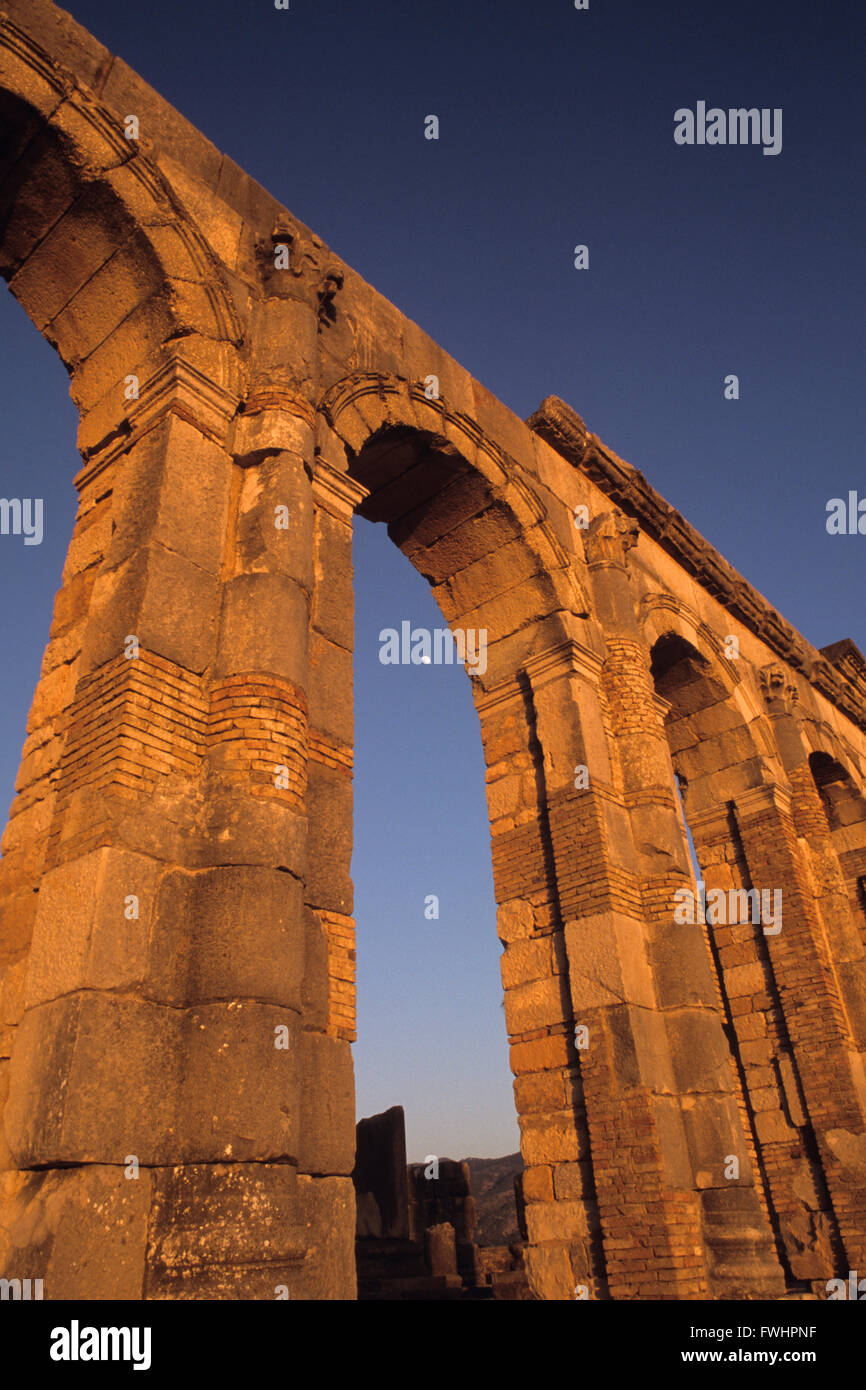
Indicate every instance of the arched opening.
{"type": "Point", "coordinates": [461, 535]}
{"type": "Point", "coordinates": [431, 1034]}
{"type": "Point", "coordinates": [845, 809]}
{"type": "Point", "coordinates": [76, 260]}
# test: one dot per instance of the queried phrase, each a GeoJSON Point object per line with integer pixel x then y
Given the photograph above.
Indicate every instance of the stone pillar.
{"type": "Point", "coordinates": [562, 1220]}
{"type": "Point", "coordinates": [662, 1095]}
{"type": "Point", "coordinates": [181, 1118]}
{"type": "Point", "coordinates": [105, 1081]}
{"type": "Point", "coordinates": [270, 748]}
{"type": "Point", "coordinates": [380, 1176]}
{"type": "Point", "coordinates": [25, 840]}
{"type": "Point", "coordinates": [329, 891]}
{"type": "Point", "coordinates": [828, 1063]}
{"type": "Point", "coordinates": [795, 1191]}
{"type": "Point", "coordinates": [832, 899]}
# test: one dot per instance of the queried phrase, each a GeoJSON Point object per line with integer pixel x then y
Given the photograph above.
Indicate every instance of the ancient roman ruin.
{"type": "Point", "coordinates": [176, 940]}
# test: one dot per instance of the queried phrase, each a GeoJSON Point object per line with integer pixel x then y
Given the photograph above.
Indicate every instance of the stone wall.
{"type": "Point", "coordinates": [176, 934]}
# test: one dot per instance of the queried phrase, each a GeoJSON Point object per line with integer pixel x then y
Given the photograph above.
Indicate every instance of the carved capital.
{"type": "Point", "coordinates": [178, 388]}
{"type": "Point", "coordinates": [570, 658]}
{"type": "Point", "coordinates": [608, 538]}
{"type": "Point", "coordinates": [335, 492]}
{"type": "Point", "coordinates": [778, 688]}
{"type": "Point", "coordinates": [297, 266]}
{"type": "Point", "coordinates": [758, 801]}
{"type": "Point", "coordinates": [326, 292]}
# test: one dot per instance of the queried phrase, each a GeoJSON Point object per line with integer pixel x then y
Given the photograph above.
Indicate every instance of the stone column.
{"type": "Point", "coordinates": [180, 1118]}
{"type": "Point", "coordinates": [25, 839]}
{"type": "Point", "coordinates": [561, 1209]}
{"type": "Point", "coordinates": [265, 840]}
{"type": "Point", "coordinates": [774, 1113]}
{"type": "Point", "coordinates": [831, 896]}
{"type": "Point", "coordinates": [666, 1119]}
{"type": "Point", "coordinates": [107, 1068]}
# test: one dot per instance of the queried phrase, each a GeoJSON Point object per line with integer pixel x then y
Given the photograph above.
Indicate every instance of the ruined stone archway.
{"type": "Point", "coordinates": [175, 899]}
{"type": "Point", "coordinates": [730, 757]}
{"type": "Point", "coordinates": [464, 516]}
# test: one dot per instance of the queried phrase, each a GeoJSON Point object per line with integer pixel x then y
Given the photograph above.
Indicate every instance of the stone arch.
{"type": "Point", "coordinates": [838, 773]}
{"type": "Point", "coordinates": [718, 750]}
{"type": "Point", "coordinates": [843, 803]}
{"type": "Point", "coordinates": [396, 437]}
{"type": "Point", "coordinates": [461, 510]}
{"type": "Point", "coordinates": [96, 244]}
{"type": "Point", "coordinates": [742, 776]}
{"type": "Point", "coordinates": [714, 725]}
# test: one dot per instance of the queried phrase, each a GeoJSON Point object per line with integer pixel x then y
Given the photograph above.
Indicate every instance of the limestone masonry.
{"type": "Point", "coordinates": [176, 934]}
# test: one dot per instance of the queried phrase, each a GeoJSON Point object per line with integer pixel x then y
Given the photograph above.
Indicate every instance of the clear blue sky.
{"type": "Point", "coordinates": [556, 128]}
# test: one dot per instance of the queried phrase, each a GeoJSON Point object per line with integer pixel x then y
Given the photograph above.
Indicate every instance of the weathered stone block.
{"type": "Point", "coordinates": [262, 546]}
{"type": "Point", "coordinates": [93, 924]}
{"type": "Point", "coordinates": [330, 690]}
{"type": "Point", "coordinates": [328, 1205]}
{"type": "Point", "coordinates": [326, 1143]}
{"type": "Point", "coordinates": [570, 1182]}
{"type": "Point", "coordinates": [541, 1090]}
{"type": "Point", "coordinates": [555, 1220]}
{"type": "Point", "coordinates": [514, 921]}
{"type": "Point", "coordinates": [94, 1079]}
{"type": "Point", "coordinates": [525, 961]}
{"type": "Point", "coordinates": [549, 1139]}
{"type": "Point", "coordinates": [83, 1231]}
{"type": "Point", "coordinates": [538, 1004]}
{"type": "Point", "coordinates": [680, 965]}
{"type": "Point", "coordinates": [239, 1096]}
{"type": "Point", "coordinates": [699, 1050]}
{"type": "Point", "coordinates": [174, 490]}
{"type": "Point", "coordinates": [538, 1183]}
{"type": "Point", "coordinates": [745, 980]}
{"type": "Point", "coordinates": [315, 991]}
{"type": "Point", "coordinates": [329, 802]}
{"type": "Point", "coordinates": [639, 1046]}
{"type": "Point", "coordinates": [540, 1054]}
{"type": "Point", "coordinates": [607, 962]}
{"type": "Point", "coordinates": [246, 1231]}
{"type": "Point", "coordinates": [227, 933]}
{"type": "Point", "coordinates": [505, 796]}
{"type": "Point", "coordinates": [714, 1132]}
{"type": "Point", "coordinates": [237, 828]}
{"type": "Point", "coordinates": [166, 601]}
{"type": "Point", "coordinates": [333, 598]}
{"type": "Point", "coordinates": [550, 1273]}
{"type": "Point", "coordinates": [265, 627]}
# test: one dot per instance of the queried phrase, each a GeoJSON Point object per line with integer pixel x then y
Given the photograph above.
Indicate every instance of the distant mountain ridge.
{"type": "Point", "coordinates": [492, 1183]}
